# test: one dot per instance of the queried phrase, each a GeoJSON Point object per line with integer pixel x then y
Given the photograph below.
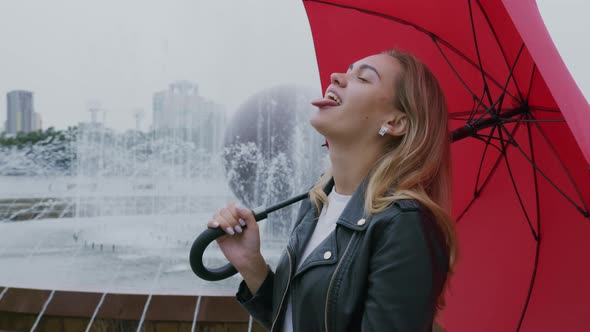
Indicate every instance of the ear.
{"type": "Point", "coordinates": [398, 125]}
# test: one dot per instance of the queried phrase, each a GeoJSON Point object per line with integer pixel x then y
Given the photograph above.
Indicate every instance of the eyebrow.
{"type": "Point", "coordinates": [365, 66]}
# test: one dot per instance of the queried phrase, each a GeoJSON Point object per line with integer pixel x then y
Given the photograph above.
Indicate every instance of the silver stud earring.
{"type": "Point", "coordinates": [382, 131]}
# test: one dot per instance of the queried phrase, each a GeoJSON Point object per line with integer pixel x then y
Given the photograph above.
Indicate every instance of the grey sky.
{"type": "Point", "coordinates": [120, 52]}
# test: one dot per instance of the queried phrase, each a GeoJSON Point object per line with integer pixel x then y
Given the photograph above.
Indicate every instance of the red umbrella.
{"type": "Point", "coordinates": [520, 154]}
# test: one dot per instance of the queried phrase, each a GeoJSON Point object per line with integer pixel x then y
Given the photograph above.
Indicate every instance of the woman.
{"type": "Point", "coordinates": [374, 243]}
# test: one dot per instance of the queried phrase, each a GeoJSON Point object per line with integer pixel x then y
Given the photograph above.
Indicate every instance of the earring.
{"type": "Point", "coordinates": [382, 131]}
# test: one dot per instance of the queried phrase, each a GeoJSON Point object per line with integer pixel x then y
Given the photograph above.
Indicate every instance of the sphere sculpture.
{"type": "Point", "coordinates": [271, 152]}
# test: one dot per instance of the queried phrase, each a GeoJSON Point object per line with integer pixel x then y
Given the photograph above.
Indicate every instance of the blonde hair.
{"type": "Point", "coordinates": [418, 165]}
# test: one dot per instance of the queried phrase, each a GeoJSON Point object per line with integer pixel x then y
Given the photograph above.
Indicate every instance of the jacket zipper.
{"type": "Point", "coordinates": [332, 279]}
{"type": "Point", "coordinates": [272, 328]}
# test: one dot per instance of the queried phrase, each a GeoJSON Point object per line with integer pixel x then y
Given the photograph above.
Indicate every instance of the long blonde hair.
{"type": "Point", "coordinates": [418, 165]}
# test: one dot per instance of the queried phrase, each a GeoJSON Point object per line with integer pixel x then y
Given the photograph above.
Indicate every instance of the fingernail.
{"type": "Point", "coordinates": [215, 224]}
{"type": "Point", "coordinates": [230, 231]}
{"type": "Point", "coordinates": [238, 229]}
{"type": "Point", "coordinates": [242, 222]}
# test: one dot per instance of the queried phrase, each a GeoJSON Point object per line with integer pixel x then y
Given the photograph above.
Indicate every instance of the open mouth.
{"type": "Point", "coordinates": [334, 97]}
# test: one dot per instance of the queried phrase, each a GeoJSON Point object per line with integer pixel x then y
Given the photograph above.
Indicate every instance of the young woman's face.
{"type": "Point", "coordinates": [357, 103]}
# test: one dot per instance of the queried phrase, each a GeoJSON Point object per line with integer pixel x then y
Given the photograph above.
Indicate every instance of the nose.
{"type": "Point", "coordinates": [338, 79]}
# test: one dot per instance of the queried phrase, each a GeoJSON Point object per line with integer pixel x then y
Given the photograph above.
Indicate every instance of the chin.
{"type": "Point", "coordinates": [319, 124]}
{"type": "Point", "coordinates": [325, 129]}
{"type": "Point", "coordinates": [326, 123]}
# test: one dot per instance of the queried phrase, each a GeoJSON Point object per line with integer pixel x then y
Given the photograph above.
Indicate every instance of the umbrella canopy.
{"type": "Point", "coordinates": [521, 152]}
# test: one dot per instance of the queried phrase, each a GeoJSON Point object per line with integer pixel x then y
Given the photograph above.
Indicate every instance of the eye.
{"type": "Point", "coordinates": [362, 79]}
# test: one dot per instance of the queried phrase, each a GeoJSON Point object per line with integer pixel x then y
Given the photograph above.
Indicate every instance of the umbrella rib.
{"type": "Point", "coordinates": [486, 89]}
{"type": "Point", "coordinates": [483, 157]}
{"type": "Point", "coordinates": [526, 215]}
{"type": "Point", "coordinates": [504, 120]}
{"type": "Point", "coordinates": [419, 28]}
{"type": "Point", "coordinates": [476, 109]}
{"type": "Point", "coordinates": [460, 118]}
{"type": "Point", "coordinates": [544, 109]}
{"type": "Point", "coordinates": [509, 120]}
{"type": "Point", "coordinates": [488, 177]}
{"type": "Point", "coordinates": [499, 101]}
{"type": "Point", "coordinates": [583, 210]}
{"type": "Point", "coordinates": [528, 95]}
{"type": "Point", "coordinates": [511, 76]}
{"type": "Point", "coordinates": [480, 137]}
{"type": "Point", "coordinates": [480, 102]}
{"type": "Point", "coordinates": [501, 98]}
{"type": "Point", "coordinates": [503, 109]}
{"type": "Point", "coordinates": [485, 14]}
{"type": "Point", "coordinates": [537, 200]}
{"type": "Point", "coordinates": [538, 244]}
{"type": "Point", "coordinates": [465, 210]}
{"type": "Point", "coordinates": [451, 114]}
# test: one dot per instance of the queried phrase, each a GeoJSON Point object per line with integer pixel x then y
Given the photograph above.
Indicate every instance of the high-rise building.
{"type": "Point", "coordinates": [37, 121]}
{"type": "Point", "coordinates": [180, 110]}
{"type": "Point", "coordinates": [159, 120]}
{"type": "Point", "coordinates": [20, 112]}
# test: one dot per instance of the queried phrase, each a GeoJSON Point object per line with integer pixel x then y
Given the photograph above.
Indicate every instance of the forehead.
{"type": "Point", "coordinates": [386, 65]}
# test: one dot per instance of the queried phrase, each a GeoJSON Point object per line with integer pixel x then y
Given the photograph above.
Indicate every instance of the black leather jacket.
{"type": "Point", "coordinates": [379, 272]}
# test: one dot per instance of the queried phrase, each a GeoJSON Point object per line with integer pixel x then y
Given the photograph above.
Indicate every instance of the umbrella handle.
{"type": "Point", "coordinates": [206, 237]}
{"type": "Point", "coordinates": [196, 257]}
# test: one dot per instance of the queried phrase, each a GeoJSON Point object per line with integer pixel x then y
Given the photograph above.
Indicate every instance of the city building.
{"type": "Point", "coordinates": [37, 121]}
{"type": "Point", "coordinates": [181, 111]}
{"type": "Point", "coordinates": [21, 116]}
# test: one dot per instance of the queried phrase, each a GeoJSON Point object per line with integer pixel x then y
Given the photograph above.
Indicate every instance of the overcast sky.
{"type": "Point", "coordinates": [69, 52]}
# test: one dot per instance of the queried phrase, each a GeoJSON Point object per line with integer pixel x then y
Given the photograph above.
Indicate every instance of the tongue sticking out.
{"type": "Point", "coordinates": [324, 102]}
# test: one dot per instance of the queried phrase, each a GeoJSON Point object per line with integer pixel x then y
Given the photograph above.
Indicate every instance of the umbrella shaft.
{"type": "Point", "coordinates": [471, 129]}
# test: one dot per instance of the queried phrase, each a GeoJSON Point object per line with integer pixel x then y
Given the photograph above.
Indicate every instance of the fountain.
{"type": "Point", "coordinates": [122, 218]}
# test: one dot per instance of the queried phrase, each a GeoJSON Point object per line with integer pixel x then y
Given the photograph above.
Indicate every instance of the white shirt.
{"type": "Point", "coordinates": [325, 225]}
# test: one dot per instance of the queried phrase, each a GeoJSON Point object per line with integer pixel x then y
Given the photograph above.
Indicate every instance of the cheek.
{"type": "Point", "coordinates": [367, 107]}
{"type": "Point", "coordinates": [386, 101]}
{"type": "Point", "coordinates": [376, 107]}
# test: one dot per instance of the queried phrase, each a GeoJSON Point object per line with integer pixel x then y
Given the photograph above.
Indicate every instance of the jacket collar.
{"type": "Point", "coordinates": [354, 211]}
{"type": "Point", "coordinates": [353, 217]}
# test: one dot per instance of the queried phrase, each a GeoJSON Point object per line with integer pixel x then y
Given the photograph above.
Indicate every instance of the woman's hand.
{"type": "Point", "coordinates": [241, 244]}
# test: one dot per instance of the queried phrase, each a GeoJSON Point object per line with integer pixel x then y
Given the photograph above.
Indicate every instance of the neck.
{"type": "Point", "coordinates": [350, 165]}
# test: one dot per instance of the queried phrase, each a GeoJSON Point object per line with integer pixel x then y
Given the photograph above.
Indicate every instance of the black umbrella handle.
{"type": "Point", "coordinates": [210, 234]}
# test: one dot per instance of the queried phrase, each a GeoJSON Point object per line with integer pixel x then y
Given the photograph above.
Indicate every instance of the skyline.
{"type": "Point", "coordinates": [231, 50]}
{"type": "Point", "coordinates": [122, 52]}
{"type": "Point", "coordinates": [95, 111]}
